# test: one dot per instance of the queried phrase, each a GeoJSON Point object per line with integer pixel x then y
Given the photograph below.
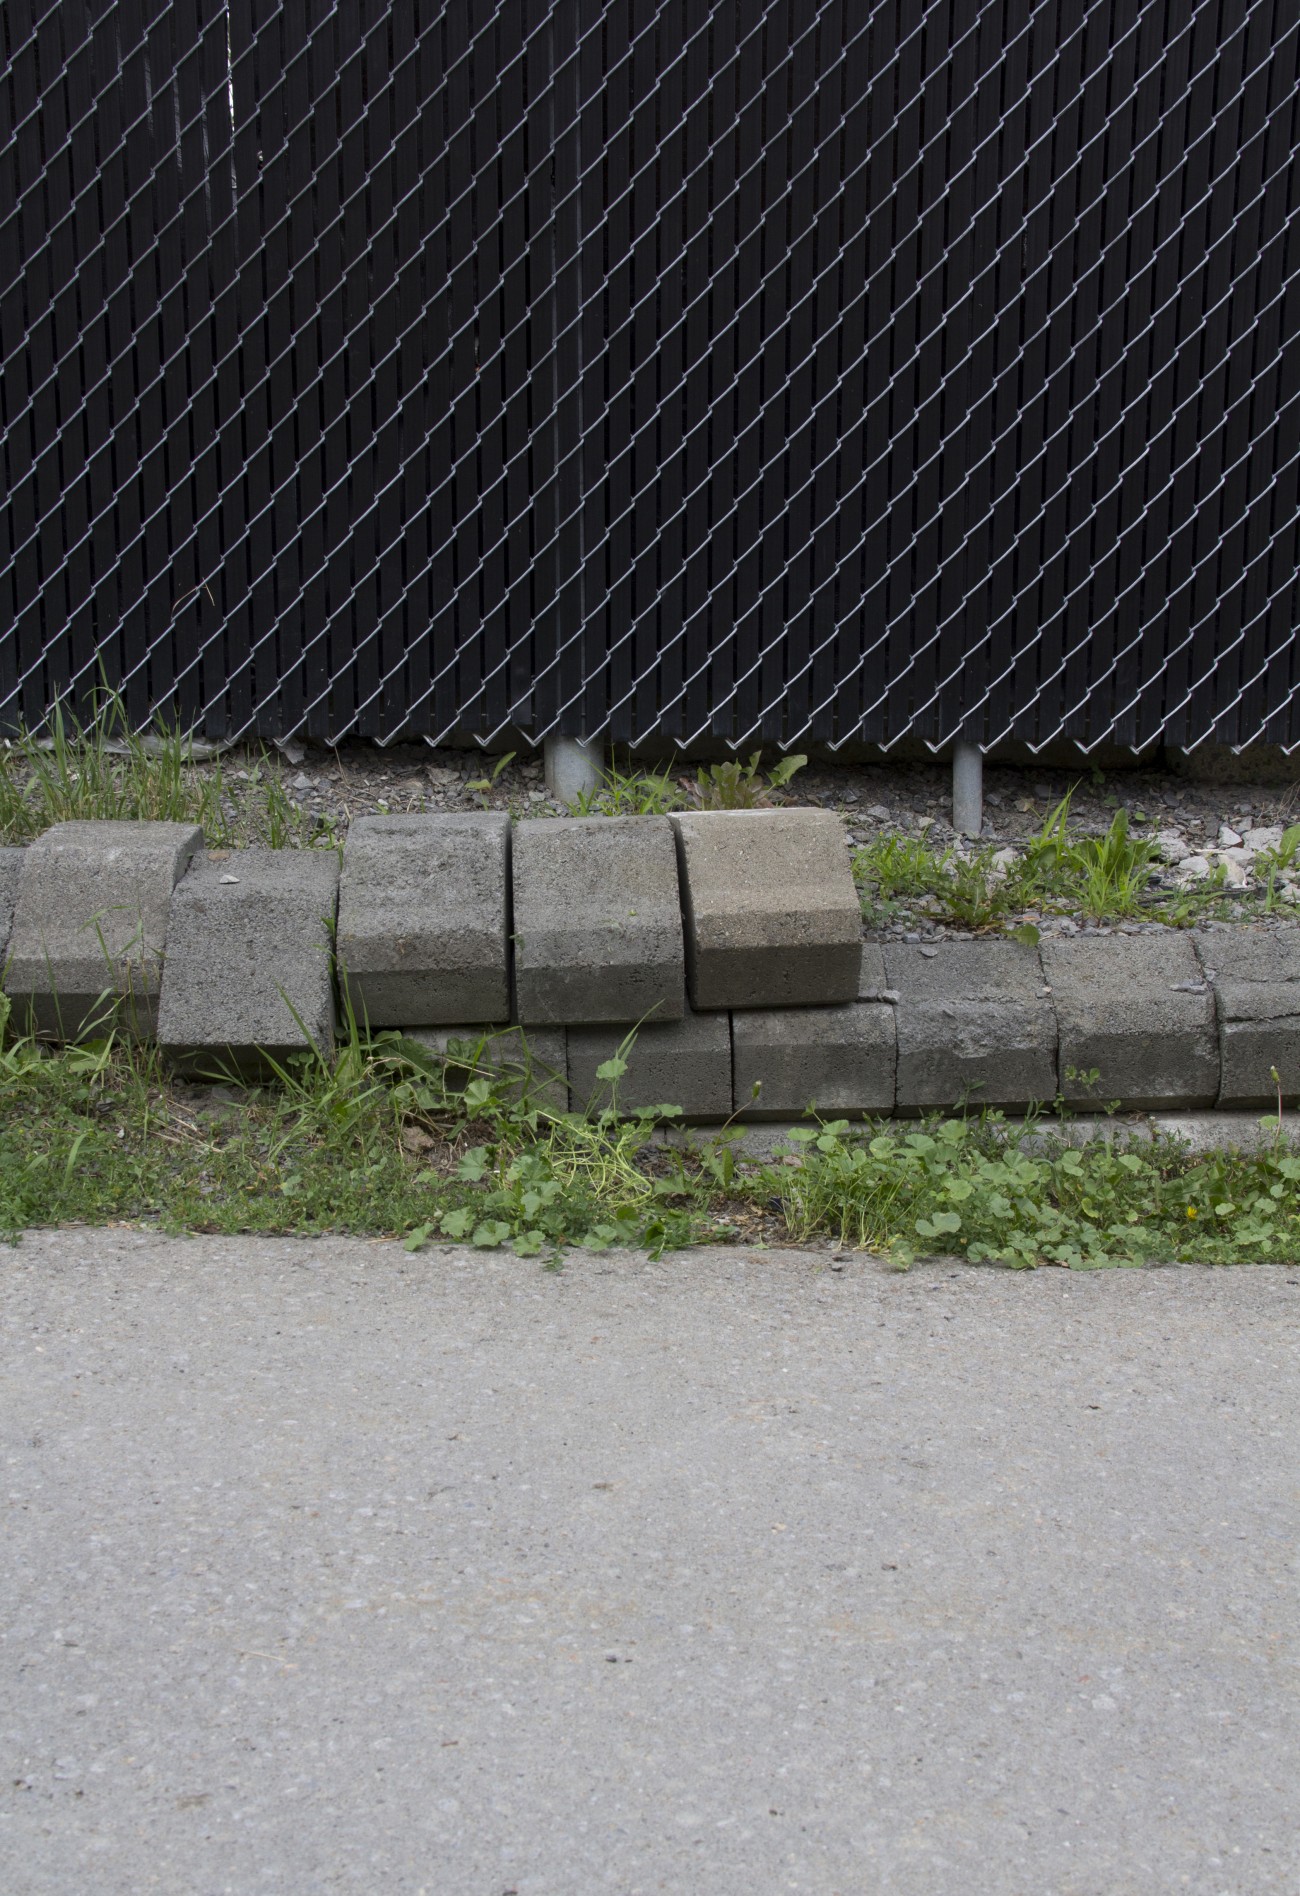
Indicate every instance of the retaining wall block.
{"type": "Point", "coordinates": [684, 1063]}
{"type": "Point", "coordinates": [423, 909]}
{"type": "Point", "coordinates": [1256, 980]}
{"type": "Point", "coordinates": [90, 925]}
{"type": "Point", "coordinates": [532, 1061]}
{"type": "Point", "coordinates": [1136, 1010]}
{"type": "Point", "coordinates": [838, 1060]}
{"type": "Point", "coordinates": [597, 921]}
{"type": "Point", "coordinates": [773, 918]}
{"type": "Point", "coordinates": [248, 967]}
{"type": "Point", "coordinates": [974, 1024]}
{"type": "Point", "coordinates": [11, 862]}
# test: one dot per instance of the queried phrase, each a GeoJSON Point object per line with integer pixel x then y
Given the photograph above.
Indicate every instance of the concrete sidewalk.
{"type": "Point", "coordinates": [330, 1568]}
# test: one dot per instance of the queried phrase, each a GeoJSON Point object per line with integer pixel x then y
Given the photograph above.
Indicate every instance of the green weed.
{"type": "Point", "coordinates": [978, 1189]}
{"type": "Point", "coordinates": [737, 786]}
{"type": "Point", "coordinates": [103, 769]}
{"type": "Point", "coordinates": [632, 793]}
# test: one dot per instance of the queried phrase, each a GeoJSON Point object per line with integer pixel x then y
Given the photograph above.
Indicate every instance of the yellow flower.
{"type": "Point", "coordinates": [1191, 1211]}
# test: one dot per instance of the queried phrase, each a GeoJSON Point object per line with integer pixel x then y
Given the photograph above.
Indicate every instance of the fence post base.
{"type": "Point", "coordinates": [572, 767]}
{"type": "Point", "coordinates": [967, 789]}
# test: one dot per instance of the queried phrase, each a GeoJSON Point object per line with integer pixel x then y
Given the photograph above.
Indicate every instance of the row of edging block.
{"type": "Point", "coordinates": [237, 960]}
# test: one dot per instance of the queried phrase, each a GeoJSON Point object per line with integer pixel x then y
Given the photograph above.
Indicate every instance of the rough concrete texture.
{"type": "Point", "coordinates": [90, 924]}
{"type": "Point", "coordinates": [772, 915]}
{"type": "Point", "coordinates": [974, 1025]}
{"type": "Point", "coordinates": [1255, 975]}
{"type": "Point", "coordinates": [423, 909]}
{"type": "Point", "coordinates": [835, 1060]}
{"type": "Point", "coordinates": [1136, 1010]}
{"type": "Point", "coordinates": [533, 1063]}
{"type": "Point", "coordinates": [248, 959]}
{"type": "Point", "coordinates": [11, 862]}
{"type": "Point", "coordinates": [597, 921]}
{"type": "Point", "coordinates": [873, 982]}
{"type": "Point", "coordinates": [329, 1568]}
{"type": "Point", "coordinates": [684, 1063]}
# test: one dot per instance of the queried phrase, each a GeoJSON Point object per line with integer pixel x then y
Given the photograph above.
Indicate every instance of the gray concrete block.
{"type": "Point", "coordinates": [90, 925]}
{"type": "Point", "coordinates": [11, 862]}
{"type": "Point", "coordinates": [772, 915]}
{"type": "Point", "coordinates": [1135, 1010]}
{"type": "Point", "coordinates": [422, 919]}
{"type": "Point", "coordinates": [1255, 975]}
{"type": "Point", "coordinates": [597, 921]}
{"type": "Point", "coordinates": [974, 1026]}
{"type": "Point", "coordinates": [533, 1061]}
{"type": "Point", "coordinates": [838, 1060]}
{"type": "Point", "coordinates": [684, 1063]}
{"type": "Point", "coordinates": [873, 982]}
{"type": "Point", "coordinates": [248, 969]}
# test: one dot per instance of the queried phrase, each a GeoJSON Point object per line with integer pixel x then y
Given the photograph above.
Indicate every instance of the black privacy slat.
{"type": "Point", "coordinates": [764, 372]}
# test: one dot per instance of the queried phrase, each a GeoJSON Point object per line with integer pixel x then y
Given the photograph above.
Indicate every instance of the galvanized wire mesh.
{"type": "Point", "coordinates": [665, 371]}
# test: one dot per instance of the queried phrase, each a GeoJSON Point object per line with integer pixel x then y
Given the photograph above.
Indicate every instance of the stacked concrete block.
{"type": "Point", "coordinates": [90, 925]}
{"type": "Point", "coordinates": [836, 1061]}
{"type": "Point", "coordinates": [1137, 1011]}
{"type": "Point", "coordinates": [248, 970]}
{"type": "Point", "coordinates": [974, 1024]}
{"type": "Point", "coordinates": [1256, 978]}
{"type": "Point", "coordinates": [11, 862]}
{"type": "Point", "coordinates": [772, 915]}
{"type": "Point", "coordinates": [423, 912]}
{"type": "Point", "coordinates": [684, 1063]}
{"type": "Point", "coordinates": [597, 921]}
{"type": "Point", "coordinates": [532, 1062]}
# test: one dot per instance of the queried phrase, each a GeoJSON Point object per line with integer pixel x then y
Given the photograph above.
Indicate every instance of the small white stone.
{"type": "Point", "coordinates": [1193, 868]}
{"type": "Point", "coordinates": [1173, 847]}
{"type": "Point", "coordinates": [1268, 836]}
{"type": "Point", "coordinates": [1228, 838]}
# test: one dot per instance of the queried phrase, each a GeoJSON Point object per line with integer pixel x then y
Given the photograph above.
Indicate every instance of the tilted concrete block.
{"type": "Point", "coordinates": [422, 919]}
{"type": "Point", "coordinates": [1134, 1009]}
{"type": "Point", "coordinates": [248, 968]}
{"type": "Point", "coordinates": [1255, 976]}
{"type": "Point", "coordinates": [597, 921]}
{"type": "Point", "coordinates": [838, 1060]}
{"type": "Point", "coordinates": [772, 915]}
{"type": "Point", "coordinates": [974, 1026]}
{"type": "Point", "coordinates": [532, 1061]}
{"type": "Point", "coordinates": [684, 1063]}
{"type": "Point", "coordinates": [11, 862]}
{"type": "Point", "coordinates": [90, 925]}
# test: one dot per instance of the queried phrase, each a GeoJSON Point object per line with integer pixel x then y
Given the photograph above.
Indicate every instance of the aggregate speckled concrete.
{"type": "Point", "coordinates": [330, 1568]}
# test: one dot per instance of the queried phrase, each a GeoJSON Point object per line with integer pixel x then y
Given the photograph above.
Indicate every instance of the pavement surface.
{"type": "Point", "coordinates": [325, 1567]}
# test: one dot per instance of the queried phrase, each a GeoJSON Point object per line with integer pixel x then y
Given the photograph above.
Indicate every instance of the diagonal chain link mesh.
{"type": "Point", "coordinates": [666, 371]}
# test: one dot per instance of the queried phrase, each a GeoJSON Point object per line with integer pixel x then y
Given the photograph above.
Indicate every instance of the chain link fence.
{"type": "Point", "coordinates": [662, 371]}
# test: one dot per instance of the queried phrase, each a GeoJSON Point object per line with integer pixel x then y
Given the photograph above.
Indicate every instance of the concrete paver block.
{"type": "Point", "coordinates": [11, 862]}
{"type": "Point", "coordinates": [873, 982]}
{"type": "Point", "coordinates": [422, 919]}
{"type": "Point", "coordinates": [974, 1026]}
{"type": "Point", "coordinates": [840, 1060]}
{"type": "Point", "coordinates": [1256, 980]}
{"type": "Point", "coordinates": [248, 959]}
{"type": "Point", "coordinates": [597, 921]}
{"type": "Point", "coordinates": [1134, 1009]}
{"type": "Point", "coordinates": [90, 925]}
{"type": "Point", "coordinates": [533, 1060]}
{"type": "Point", "coordinates": [772, 915]}
{"type": "Point", "coordinates": [684, 1063]}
